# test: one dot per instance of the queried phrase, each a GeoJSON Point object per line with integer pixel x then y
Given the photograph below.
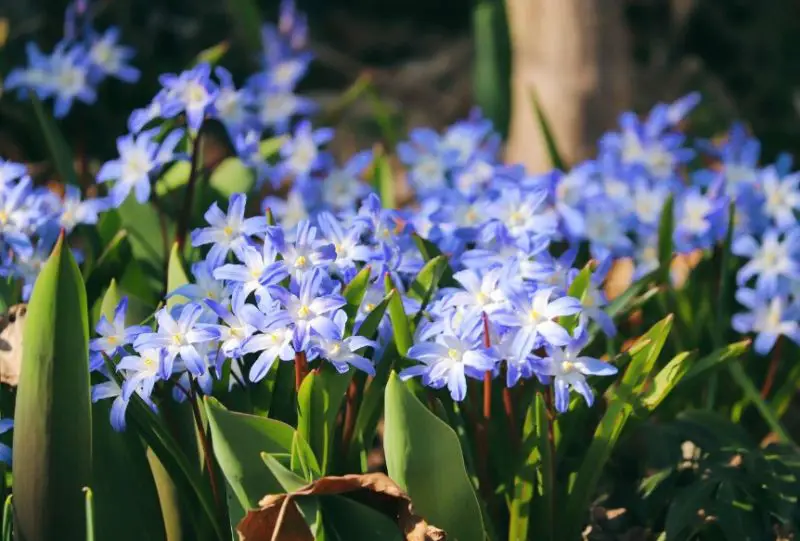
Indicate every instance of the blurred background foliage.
{"type": "Point", "coordinates": [419, 56]}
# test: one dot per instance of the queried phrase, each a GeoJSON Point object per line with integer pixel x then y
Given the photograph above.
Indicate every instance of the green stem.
{"type": "Point", "coordinates": [751, 393]}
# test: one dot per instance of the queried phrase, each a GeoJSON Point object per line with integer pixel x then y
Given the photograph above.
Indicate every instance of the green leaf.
{"type": "Point", "coordinates": [492, 63]}
{"type": "Point", "coordinates": [535, 469]}
{"type": "Point", "coordinates": [397, 313]}
{"type": "Point", "coordinates": [313, 415]}
{"type": "Point", "coordinates": [433, 475]}
{"type": "Point", "coordinates": [383, 181]}
{"type": "Point", "coordinates": [269, 147]}
{"type": "Point", "coordinates": [56, 143]}
{"type": "Point", "coordinates": [430, 251]}
{"type": "Point", "coordinates": [666, 227]}
{"type": "Point", "coordinates": [232, 176]}
{"type": "Point", "coordinates": [547, 134]}
{"type": "Point", "coordinates": [8, 520]}
{"type": "Point", "coordinates": [238, 440]}
{"type": "Point", "coordinates": [127, 505]}
{"type": "Point", "coordinates": [176, 275]}
{"type": "Point", "coordinates": [144, 227]}
{"type": "Point", "coordinates": [716, 358]}
{"type": "Point", "coordinates": [213, 54]}
{"type": "Point", "coordinates": [426, 280]}
{"type": "Point", "coordinates": [248, 20]}
{"type": "Point", "coordinates": [349, 520]}
{"type": "Point", "coordinates": [111, 264]}
{"type": "Point", "coordinates": [309, 506]}
{"type": "Point", "coordinates": [752, 394]}
{"type": "Point", "coordinates": [52, 433]}
{"type": "Point", "coordinates": [667, 379]}
{"type": "Point", "coordinates": [577, 289]}
{"type": "Point", "coordinates": [621, 405]}
{"type": "Point", "coordinates": [173, 178]}
{"type": "Point", "coordinates": [355, 290]}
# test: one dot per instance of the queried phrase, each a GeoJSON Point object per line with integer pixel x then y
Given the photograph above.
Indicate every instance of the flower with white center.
{"type": "Point", "coordinates": [238, 324]}
{"type": "Point", "coordinates": [569, 370]}
{"type": "Point", "coordinates": [605, 230]}
{"type": "Point", "coordinates": [306, 252]}
{"type": "Point", "coordinates": [341, 352]}
{"type": "Point", "coordinates": [524, 213]}
{"type": "Point", "coordinates": [770, 316]}
{"type": "Point", "coordinates": [346, 242]}
{"type": "Point", "coordinates": [74, 211]}
{"type": "Point", "coordinates": [533, 314]}
{"type": "Point", "coordinates": [114, 335]}
{"type": "Point", "coordinates": [190, 92]}
{"type": "Point", "coordinates": [141, 371]}
{"type": "Point", "coordinates": [258, 270]}
{"type": "Point", "coordinates": [454, 355]}
{"type": "Point", "coordinates": [70, 78]}
{"type": "Point", "coordinates": [139, 157]}
{"type": "Point", "coordinates": [781, 197]}
{"type": "Point", "coordinates": [230, 105]}
{"type": "Point", "coordinates": [771, 260]}
{"type": "Point", "coordinates": [272, 343]}
{"type": "Point", "coordinates": [648, 201]}
{"type": "Point", "coordinates": [205, 286]}
{"type": "Point", "coordinates": [228, 232]}
{"type": "Point", "coordinates": [109, 58]}
{"type": "Point", "coordinates": [179, 337]}
{"type": "Point", "coordinates": [480, 294]}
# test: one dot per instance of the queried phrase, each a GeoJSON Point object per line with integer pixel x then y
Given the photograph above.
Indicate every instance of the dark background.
{"type": "Point", "coordinates": [742, 54]}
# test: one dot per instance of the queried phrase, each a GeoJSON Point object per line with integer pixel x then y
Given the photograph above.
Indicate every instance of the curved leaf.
{"type": "Point", "coordinates": [423, 456]}
{"type": "Point", "coordinates": [52, 434]}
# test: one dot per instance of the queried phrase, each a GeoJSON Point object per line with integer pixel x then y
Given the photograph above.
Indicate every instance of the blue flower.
{"type": "Point", "coordinates": [228, 232]}
{"type": "Point", "coordinates": [5, 450]}
{"type": "Point", "coordinates": [110, 389]}
{"type": "Point", "coordinates": [179, 338]}
{"type": "Point", "coordinates": [306, 252]}
{"type": "Point", "coordinates": [347, 244]}
{"type": "Point", "coordinates": [142, 371]}
{"type": "Point", "coordinates": [273, 342]}
{"type": "Point", "coordinates": [533, 314]}
{"type": "Point", "coordinates": [341, 352]}
{"type": "Point", "coordinates": [238, 324]}
{"type": "Point", "coordinates": [140, 157]}
{"type": "Point", "coordinates": [277, 107]}
{"type": "Point", "coordinates": [37, 76]}
{"type": "Point", "coordinates": [569, 369]}
{"type": "Point", "coordinates": [781, 197]}
{"type": "Point", "coordinates": [481, 292]}
{"type": "Point", "coordinates": [341, 188]}
{"type": "Point", "coordinates": [739, 156]}
{"type": "Point", "coordinates": [74, 211]}
{"type": "Point", "coordinates": [69, 78]}
{"type": "Point", "coordinates": [700, 220]}
{"type": "Point", "coordinates": [191, 92]}
{"type": "Point", "coordinates": [454, 355]}
{"type": "Point", "coordinates": [769, 316]}
{"type": "Point", "coordinates": [429, 163]}
{"type": "Point", "coordinates": [15, 215]}
{"type": "Point", "coordinates": [301, 154]}
{"type": "Point", "coordinates": [109, 58]}
{"type": "Point", "coordinates": [205, 286]}
{"type": "Point", "coordinates": [258, 271]}
{"type": "Point", "coordinates": [114, 335]}
{"type": "Point", "coordinates": [10, 171]}
{"type": "Point", "coordinates": [525, 213]}
{"type": "Point", "coordinates": [771, 261]}
{"type": "Point", "coordinates": [231, 106]}
{"type": "Point", "coordinates": [307, 306]}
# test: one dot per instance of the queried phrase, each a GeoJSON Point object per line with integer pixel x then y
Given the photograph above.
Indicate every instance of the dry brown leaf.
{"type": "Point", "coordinates": [375, 490]}
{"type": "Point", "coordinates": [12, 325]}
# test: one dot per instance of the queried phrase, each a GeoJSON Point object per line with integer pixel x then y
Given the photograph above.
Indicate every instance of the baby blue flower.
{"type": "Point", "coordinates": [114, 335]}
{"type": "Point", "coordinates": [109, 58]}
{"type": "Point", "coordinates": [110, 389]}
{"type": "Point", "coordinates": [781, 197]}
{"type": "Point", "coordinates": [10, 171]}
{"type": "Point", "coordinates": [341, 352]}
{"type": "Point", "coordinates": [307, 306]}
{"type": "Point", "coordinates": [142, 371]}
{"type": "Point", "coordinates": [482, 292]}
{"type": "Point", "coordinates": [140, 157]}
{"type": "Point", "coordinates": [74, 211]}
{"type": "Point", "coordinates": [228, 232]}
{"type": "Point", "coordinates": [231, 106]}
{"type": "Point", "coordinates": [533, 315]}
{"type": "Point", "coordinates": [525, 213]}
{"type": "Point", "coordinates": [5, 450]}
{"type": "Point", "coordinates": [306, 252]}
{"type": "Point", "coordinates": [605, 231]}
{"type": "Point", "coordinates": [273, 342]}
{"type": "Point", "coordinates": [700, 220]}
{"type": "Point", "coordinates": [238, 324]}
{"type": "Point", "coordinates": [15, 215]}
{"type": "Point", "coordinates": [259, 271]}
{"type": "Point", "coordinates": [69, 78]}
{"type": "Point", "coordinates": [190, 92]}
{"type": "Point", "coordinates": [771, 261]}
{"type": "Point", "coordinates": [769, 316]}
{"type": "Point", "coordinates": [739, 156]}
{"type": "Point", "coordinates": [453, 356]}
{"type": "Point", "coordinates": [277, 107]}
{"type": "Point", "coordinates": [205, 286]}
{"type": "Point", "coordinates": [37, 76]}
{"type": "Point", "coordinates": [346, 243]}
{"type": "Point", "coordinates": [179, 338]}
{"type": "Point", "coordinates": [569, 370]}
{"type": "Point", "coordinates": [342, 188]}
{"type": "Point", "coordinates": [301, 154]}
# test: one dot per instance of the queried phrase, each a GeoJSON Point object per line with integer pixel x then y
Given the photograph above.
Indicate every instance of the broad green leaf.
{"type": "Point", "coordinates": [127, 504]}
{"type": "Point", "coordinates": [174, 178]}
{"type": "Point", "coordinates": [429, 251]}
{"type": "Point", "coordinates": [56, 143]}
{"type": "Point", "coordinates": [169, 498]}
{"type": "Point", "coordinates": [111, 264]}
{"type": "Point", "coordinates": [427, 279]}
{"type": "Point", "coordinates": [622, 398]}
{"type": "Point", "coordinates": [716, 358]}
{"type": "Point", "coordinates": [492, 63]}
{"type": "Point", "coordinates": [383, 181]}
{"type": "Point", "coordinates": [667, 379]}
{"type": "Point", "coordinates": [535, 469]}
{"type": "Point", "coordinates": [269, 147]}
{"type": "Point", "coordinates": [238, 440]}
{"type": "Point", "coordinates": [232, 176]}
{"type": "Point", "coordinates": [144, 228]}
{"type": "Point", "coordinates": [423, 456]}
{"type": "Point", "coordinates": [348, 520]}
{"type": "Point", "coordinates": [400, 324]}
{"type": "Point", "coordinates": [52, 433]}
{"type": "Point", "coordinates": [313, 415]}
{"type": "Point", "coordinates": [261, 393]}
{"type": "Point", "coordinates": [547, 134]}
{"type": "Point", "coordinates": [666, 227]}
{"type": "Point", "coordinates": [176, 275]}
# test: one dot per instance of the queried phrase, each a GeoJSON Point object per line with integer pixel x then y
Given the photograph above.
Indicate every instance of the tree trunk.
{"type": "Point", "coordinates": [574, 56]}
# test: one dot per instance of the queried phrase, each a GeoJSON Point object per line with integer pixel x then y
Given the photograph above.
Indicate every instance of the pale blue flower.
{"type": "Point", "coordinates": [229, 232]}
{"type": "Point", "coordinates": [341, 352]}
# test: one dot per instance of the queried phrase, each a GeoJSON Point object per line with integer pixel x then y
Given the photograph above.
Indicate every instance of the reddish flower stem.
{"type": "Point", "coordinates": [774, 361]}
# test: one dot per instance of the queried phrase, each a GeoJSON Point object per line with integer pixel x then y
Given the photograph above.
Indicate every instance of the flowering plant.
{"type": "Point", "coordinates": [228, 347]}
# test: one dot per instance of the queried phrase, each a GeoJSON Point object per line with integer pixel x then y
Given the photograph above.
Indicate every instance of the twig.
{"type": "Point", "coordinates": [198, 421]}
{"type": "Point", "coordinates": [300, 369]}
{"type": "Point", "coordinates": [186, 211]}
{"type": "Point", "coordinates": [774, 361]}
{"type": "Point", "coordinates": [548, 400]}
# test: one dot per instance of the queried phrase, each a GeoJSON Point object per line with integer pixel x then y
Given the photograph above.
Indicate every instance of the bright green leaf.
{"type": "Point", "coordinates": [176, 275]}
{"type": "Point", "coordinates": [56, 143]}
{"type": "Point", "coordinates": [232, 176]}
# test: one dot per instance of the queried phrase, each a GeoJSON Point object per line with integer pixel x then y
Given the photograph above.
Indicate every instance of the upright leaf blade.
{"type": "Point", "coordinates": [56, 144]}
{"type": "Point", "coordinates": [53, 434]}
{"type": "Point", "coordinates": [666, 227]}
{"type": "Point", "coordinates": [433, 474]}
{"type": "Point", "coordinates": [547, 134]}
{"type": "Point", "coordinates": [176, 274]}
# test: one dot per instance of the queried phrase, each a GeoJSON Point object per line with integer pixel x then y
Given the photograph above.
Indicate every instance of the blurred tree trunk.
{"type": "Point", "coordinates": [575, 56]}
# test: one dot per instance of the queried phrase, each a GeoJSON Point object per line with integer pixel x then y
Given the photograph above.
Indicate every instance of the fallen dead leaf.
{"type": "Point", "coordinates": [12, 325]}
{"type": "Point", "coordinates": [375, 490]}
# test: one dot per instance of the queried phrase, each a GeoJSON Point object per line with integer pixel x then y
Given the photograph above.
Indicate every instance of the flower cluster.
{"type": "Point", "coordinates": [82, 60]}
{"type": "Point", "coordinates": [31, 218]}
